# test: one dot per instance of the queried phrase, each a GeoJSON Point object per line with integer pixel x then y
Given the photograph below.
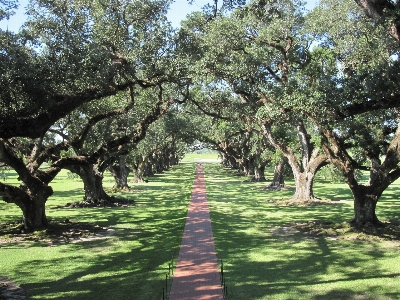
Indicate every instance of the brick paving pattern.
{"type": "Point", "coordinates": [196, 275]}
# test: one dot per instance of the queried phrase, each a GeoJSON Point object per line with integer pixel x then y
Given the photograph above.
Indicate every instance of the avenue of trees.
{"type": "Point", "coordinates": [90, 86]}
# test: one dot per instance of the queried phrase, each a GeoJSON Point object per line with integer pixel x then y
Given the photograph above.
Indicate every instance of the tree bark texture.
{"type": "Point", "coordinates": [93, 185]}
{"type": "Point", "coordinates": [259, 174]}
{"type": "Point", "coordinates": [365, 200]}
{"type": "Point", "coordinates": [33, 192]}
{"type": "Point", "coordinates": [383, 9]}
{"type": "Point", "coordinates": [305, 168]}
{"type": "Point", "coordinates": [31, 202]}
{"type": "Point", "coordinates": [382, 174]}
{"type": "Point", "coordinates": [304, 186]}
{"type": "Point", "coordinates": [120, 172]}
{"type": "Point", "coordinates": [278, 180]}
{"type": "Point", "coordinates": [138, 171]}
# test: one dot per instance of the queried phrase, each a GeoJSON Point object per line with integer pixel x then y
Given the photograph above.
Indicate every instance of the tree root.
{"type": "Point", "coordinates": [111, 202]}
{"type": "Point", "coordinates": [10, 291]}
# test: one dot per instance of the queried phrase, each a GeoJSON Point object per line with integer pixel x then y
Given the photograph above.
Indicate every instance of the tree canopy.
{"type": "Point", "coordinates": [91, 85]}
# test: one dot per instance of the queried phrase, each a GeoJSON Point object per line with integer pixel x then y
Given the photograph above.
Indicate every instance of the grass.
{"type": "Point", "coordinates": [195, 157]}
{"type": "Point", "coordinates": [133, 261]}
{"type": "Point", "coordinates": [264, 261]}
{"type": "Point", "coordinates": [263, 258]}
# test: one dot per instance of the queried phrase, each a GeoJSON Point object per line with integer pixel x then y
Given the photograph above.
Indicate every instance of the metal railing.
{"type": "Point", "coordinates": [168, 279]}
{"type": "Point", "coordinates": [170, 275]}
{"type": "Point", "coordinates": [223, 282]}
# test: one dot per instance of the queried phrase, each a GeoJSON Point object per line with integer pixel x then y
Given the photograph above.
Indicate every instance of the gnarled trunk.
{"type": "Point", "coordinates": [259, 174]}
{"type": "Point", "coordinates": [279, 168]}
{"type": "Point", "coordinates": [93, 185]}
{"type": "Point", "coordinates": [304, 183]}
{"type": "Point", "coordinates": [138, 171]}
{"type": "Point", "coordinates": [365, 200]}
{"type": "Point", "coordinates": [364, 208]}
{"type": "Point", "coordinates": [305, 167]}
{"type": "Point", "coordinates": [247, 167]}
{"type": "Point", "coordinates": [34, 215]}
{"type": "Point", "coordinates": [120, 172]}
{"type": "Point", "coordinates": [382, 174]}
{"type": "Point", "coordinates": [31, 202]}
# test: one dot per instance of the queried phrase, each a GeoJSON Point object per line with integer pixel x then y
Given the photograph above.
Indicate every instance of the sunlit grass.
{"type": "Point", "coordinates": [196, 157]}
{"type": "Point", "coordinates": [131, 263]}
{"type": "Point", "coordinates": [262, 261]}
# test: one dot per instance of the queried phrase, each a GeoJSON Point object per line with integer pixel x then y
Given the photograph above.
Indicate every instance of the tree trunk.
{"type": "Point", "coordinates": [278, 180]}
{"type": "Point", "coordinates": [31, 195]}
{"type": "Point", "coordinates": [364, 208]}
{"type": "Point", "coordinates": [148, 169]}
{"type": "Point", "coordinates": [174, 159]}
{"type": "Point", "coordinates": [248, 167]}
{"type": "Point", "coordinates": [32, 204]}
{"type": "Point", "coordinates": [120, 173]}
{"type": "Point", "coordinates": [93, 186]}
{"type": "Point", "coordinates": [259, 174]}
{"type": "Point", "coordinates": [34, 215]}
{"type": "Point", "coordinates": [138, 171]}
{"type": "Point", "coordinates": [381, 176]}
{"type": "Point", "coordinates": [224, 159]}
{"type": "Point", "coordinates": [365, 200]}
{"type": "Point", "coordinates": [304, 183]}
{"type": "Point", "coordinates": [305, 168]}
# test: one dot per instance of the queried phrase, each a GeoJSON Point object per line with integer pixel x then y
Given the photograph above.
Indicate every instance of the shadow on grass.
{"type": "Point", "coordinates": [262, 265]}
{"type": "Point", "coordinates": [131, 264]}
{"type": "Point", "coordinates": [104, 271]}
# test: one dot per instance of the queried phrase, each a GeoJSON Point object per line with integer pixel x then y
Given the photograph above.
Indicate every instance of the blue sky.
{"type": "Point", "coordinates": [179, 10]}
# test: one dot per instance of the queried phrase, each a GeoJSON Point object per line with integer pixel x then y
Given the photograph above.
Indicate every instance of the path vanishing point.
{"type": "Point", "coordinates": [196, 275]}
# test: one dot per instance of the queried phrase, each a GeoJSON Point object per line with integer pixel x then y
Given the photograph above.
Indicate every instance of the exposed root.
{"type": "Point", "coordinates": [273, 187]}
{"type": "Point", "coordinates": [254, 179]}
{"type": "Point", "coordinates": [111, 202]}
{"type": "Point", "coordinates": [388, 233]}
{"type": "Point", "coordinates": [10, 291]}
{"type": "Point", "coordinates": [305, 202]}
{"type": "Point", "coordinates": [56, 233]}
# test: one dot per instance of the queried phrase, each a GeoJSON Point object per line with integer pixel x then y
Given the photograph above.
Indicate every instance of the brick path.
{"type": "Point", "coordinates": [196, 275]}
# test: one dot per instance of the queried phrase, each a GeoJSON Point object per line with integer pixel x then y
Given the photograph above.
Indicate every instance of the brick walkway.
{"type": "Point", "coordinates": [196, 275]}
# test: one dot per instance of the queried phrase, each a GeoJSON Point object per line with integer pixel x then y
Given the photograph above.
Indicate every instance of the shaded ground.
{"type": "Point", "coordinates": [388, 233]}
{"type": "Point", "coordinates": [74, 232]}
{"type": "Point", "coordinates": [56, 233]}
{"type": "Point", "coordinates": [310, 202]}
{"type": "Point", "coordinates": [9, 290]}
{"type": "Point", "coordinates": [111, 202]}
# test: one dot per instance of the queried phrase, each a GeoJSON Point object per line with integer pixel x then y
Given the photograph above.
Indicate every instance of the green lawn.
{"type": "Point", "coordinates": [262, 259]}
{"type": "Point", "coordinates": [195, 157]}
{"type": "Point", "coordinates": [133, 261]}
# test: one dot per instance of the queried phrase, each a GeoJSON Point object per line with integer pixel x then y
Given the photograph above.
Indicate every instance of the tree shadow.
{"type": "Point", "coordinates": [131, 264]}
{"type": "Point", "coordinates": [260, 264]}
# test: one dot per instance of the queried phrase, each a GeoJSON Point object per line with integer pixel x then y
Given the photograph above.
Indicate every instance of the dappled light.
{"type": "Point", "coordinates": [266, 259]}
{"type": "Point", "coordinates": [107, 111]}
{"type": "Point", "coordinates": [133, 260]}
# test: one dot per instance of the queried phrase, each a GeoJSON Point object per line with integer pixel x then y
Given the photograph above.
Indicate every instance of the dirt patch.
{"type": "Point", "coordinates": [56, 233]}
{"type": "Point", "coordinates": [310, 202]}
{"type": "Point", "coordinates": [10, 291]}
{"type": "Point", "coordinates": [388, 232]}
{"type": "Point", "coordinates": [277, 188]}
{"type": "Point", "coordinates": [112, 202]}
